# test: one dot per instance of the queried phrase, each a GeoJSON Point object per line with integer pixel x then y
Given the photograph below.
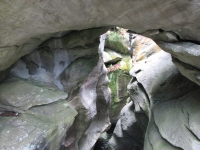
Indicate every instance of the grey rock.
{"type": "Point", "coordinates": [69, 65]}
{"type": "Point", "coordinates": [143, 48]}
{"type": "Point", "coordinates": [161, 35]}
{"type": "Point", "coordinates": [117, 42]}
{"type": "Point", "coordinates": [91, 101]}
{"type": "Point", "coordinates": [188, 71]}
{"type": "Point", "coordinates": [22, 95]}
{"type": "Point", "coordinates": [130, 130]}
{"type": "Point", "coordinates": [33, 115]}
{"type": "Point", "coordinates": [119, 94]}
{"type": "Point", "coordinates": [154, 140]}
{"type": "Point", "coordinates": [155, 81]}
{"type": "Point", "coordinates": [178, 123]}
{"type": "Point", "coordinates": [76, 72]}
{"type": "Point", "coordinates": [24, 25]}
{"type": "Point", "coordinates": [184, 51]}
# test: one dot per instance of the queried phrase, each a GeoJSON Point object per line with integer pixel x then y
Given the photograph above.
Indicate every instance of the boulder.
{"type": "Point", "coordinates": [33, 116]}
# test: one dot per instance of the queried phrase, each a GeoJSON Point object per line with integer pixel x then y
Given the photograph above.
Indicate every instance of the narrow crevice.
{"type": "Point", "coordinates": [150, 142]}
{"type": "Point", "coordinates": [185, 40]}
{"type": "Point", "coordinates": [185, 64]}
{"type": "Point", "coordinates": [192, 133]}
{"type": "Point", "coordinates": [187, 127]}
{"type": "Point", "coordinates": [158, 31]}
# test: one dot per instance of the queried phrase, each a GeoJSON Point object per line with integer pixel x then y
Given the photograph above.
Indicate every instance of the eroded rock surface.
{"type": "Point", "coordinates": [25, 25]}
{"type": "Point", "coordinates": [155, 80]}
{"type": "Point", "coordinates": [32, 116]}
{"type": "Point", "coordinates": [186, 58]}
{"type": "Point", "coordinates": [62, 79]}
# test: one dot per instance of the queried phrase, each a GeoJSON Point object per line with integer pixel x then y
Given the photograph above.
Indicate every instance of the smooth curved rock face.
{"type": "Point", "coordinates": [33, 119]}
{"type": "Point", "coordinates": [55, 61]}
{"type": "Point", "coordinates": [178, 124]}
{"type": "Point", "coordinates": [154, 141]}
{"type": "Point", "coordinates": [91, 101]}
{"type": "Point", "coordinates": [142, 47]}
{"type": "Point", "coordinates": [22, 95]}
{"type": "Point", "coordinates": [24, 25]}
{"type": "Point", "coordinates": [155, 82]}
{"type": "Point", "coordinates": [63, 68]}
{"type": "Point", "coordinates": [157, 76]}
{"type": "Point", "coordinates": [130, 130]}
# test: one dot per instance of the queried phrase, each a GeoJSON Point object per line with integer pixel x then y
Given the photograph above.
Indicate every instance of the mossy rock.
{"type": "Point", "coordinates": [117, 43]}
{"type": "Point", "coordinates": [118, 82]}
{"type": "Point", "coordinates": [21, 95]}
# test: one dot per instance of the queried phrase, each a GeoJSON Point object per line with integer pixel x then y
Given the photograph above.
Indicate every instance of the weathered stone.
{"type": "Point", "coordinates": [91, 101]}
{"type": "Point", "coordinates": [117, 42]}
{"type": "Point", "coordinates": [142, 48]}
{"type": "Point", "coordinates": [187, 58]}
{"type": "Point", "coordinates": [161, 35]}
{"type": "Point", "coordinates": [179, 122]}
{"type": "Point", "coordinates": [158, 76]}
{"type": "Point", "coordinates": [130, 130]}
{"type": "Point", "coordinates": [155, 80]}
{"type": "Point", "coordinates": [25, 25]}
{"type": "Point", "coordinates": [33, 115]}
{"type": "Point", "coordinates": [188, 71]}
{"type": "Point", "coordinates": [4, 74]}
{"type": "Point", "coordinates": [48, 62]}
{"type": "Point", "coordinates": [76, 73]}
{"type": "Point", "coordinates": [41, 127]}
{"type": "Point", "coordinates": [22, 22]}
{"type": "Point", "coordinates": [21, 95]}
{"type": "Point", "coordinates": [75, 68]}
{"type": "Point", "coordinates": [184, 51]}
{"type": "Point", "coordinates": [154, 141]}
{"type": "Point", "coordinates": [118, 83]}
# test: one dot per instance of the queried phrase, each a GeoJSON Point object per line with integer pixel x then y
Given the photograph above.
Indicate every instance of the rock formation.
{"type": "Point", "coordinates": [54, 88]}
{"type": "Point", "coordinates": [155, 83]}
{"type": "Point", "coordinates": [38, 86]}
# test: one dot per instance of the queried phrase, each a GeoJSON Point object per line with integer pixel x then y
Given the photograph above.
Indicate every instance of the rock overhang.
{"type": "Point", "coordinates": [25, 25]}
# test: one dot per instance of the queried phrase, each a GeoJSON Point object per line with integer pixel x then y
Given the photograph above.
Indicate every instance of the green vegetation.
{"type": "Point", "coordinates": [117, 42]}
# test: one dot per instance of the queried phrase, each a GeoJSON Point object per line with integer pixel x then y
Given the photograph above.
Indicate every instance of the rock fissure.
{"type": "Point", "coordinates": [165, 139]}
{"type": "Point", "coordinates": [144, 91]}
